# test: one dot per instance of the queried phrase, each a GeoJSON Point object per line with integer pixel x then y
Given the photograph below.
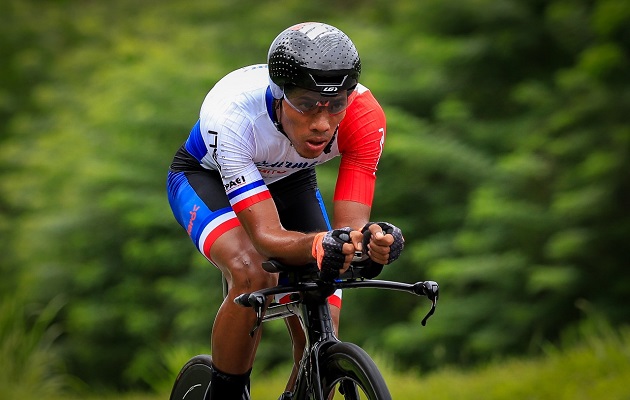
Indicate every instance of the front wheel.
{"type": "Point", "coordinates": [193, 379]}
{"type": "Point", "coordinates": [348, 369]}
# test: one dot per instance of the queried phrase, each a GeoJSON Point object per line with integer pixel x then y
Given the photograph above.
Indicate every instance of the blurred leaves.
{"type": "Point", "coordinates": [31, 367]}
{"type": "Point", "coordinates": [506, 165]}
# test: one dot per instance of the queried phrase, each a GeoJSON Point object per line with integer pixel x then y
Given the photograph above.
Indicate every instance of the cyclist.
{"type": "Point", "coordinates": [243, 184]}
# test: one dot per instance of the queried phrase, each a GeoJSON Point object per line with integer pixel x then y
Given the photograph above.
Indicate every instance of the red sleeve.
{"type": "Point", "coordinates": [361, 135]}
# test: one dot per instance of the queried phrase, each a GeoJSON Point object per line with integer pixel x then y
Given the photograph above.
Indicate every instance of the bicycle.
{"type": "Point", "coordinates": [328, 365]}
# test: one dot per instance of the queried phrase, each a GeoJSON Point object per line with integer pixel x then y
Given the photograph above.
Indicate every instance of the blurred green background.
{"type": "Point", "coordinates": [507, 166]}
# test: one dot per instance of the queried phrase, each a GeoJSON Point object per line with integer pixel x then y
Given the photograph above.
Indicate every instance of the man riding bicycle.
{"type": "Point", "coordinates": [243, 184]}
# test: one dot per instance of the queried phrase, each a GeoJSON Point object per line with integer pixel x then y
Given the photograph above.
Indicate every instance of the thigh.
{"type": "Point", "coordinates": [200, 205]}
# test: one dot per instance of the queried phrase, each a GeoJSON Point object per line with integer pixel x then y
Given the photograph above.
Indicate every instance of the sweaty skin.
{"type": "Point", "coordinates": [262, 236]}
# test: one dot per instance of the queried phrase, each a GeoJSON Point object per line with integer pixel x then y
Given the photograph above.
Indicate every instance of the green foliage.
{"type": "Point", "coordinates": [543, 218]}
{"type": "Point", "coordinates": [592, 368]}
{"type": "Point", "coordinates": [593, 363]}
{"type": "Point", "coordinates": [506, 166]}
{"type": "Point", "coordinates": [31, 367]}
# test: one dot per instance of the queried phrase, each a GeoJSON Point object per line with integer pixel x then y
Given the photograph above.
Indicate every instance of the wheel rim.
{"type": "Point", "coordinates": [193, 384]}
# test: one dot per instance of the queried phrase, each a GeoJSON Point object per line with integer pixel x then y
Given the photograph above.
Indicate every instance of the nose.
{"type": "Point", "coordinates": [320, 122]}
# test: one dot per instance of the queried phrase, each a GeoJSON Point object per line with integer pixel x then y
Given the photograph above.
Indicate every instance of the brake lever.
{"type": "Point", "coordinates": [257, 323]}
{"type": "Point", "coordinates": [257, 301]}
{"type": "Point", "coordinates": [432, 290]}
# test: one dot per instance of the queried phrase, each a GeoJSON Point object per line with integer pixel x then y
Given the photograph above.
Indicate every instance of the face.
{"type": "Point", "coordinates": [310, 132]}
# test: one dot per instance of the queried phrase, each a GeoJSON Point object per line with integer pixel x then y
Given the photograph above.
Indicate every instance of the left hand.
{"type": "Point", "coordinates": [385, 242]}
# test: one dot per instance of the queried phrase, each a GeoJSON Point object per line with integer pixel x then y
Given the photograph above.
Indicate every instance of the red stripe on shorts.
{"type": "Point", "coordinates": [216, 233]}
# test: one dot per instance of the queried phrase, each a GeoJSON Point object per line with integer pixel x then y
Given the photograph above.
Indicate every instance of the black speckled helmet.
{"type": "Point", "coordinates": [314, 56]}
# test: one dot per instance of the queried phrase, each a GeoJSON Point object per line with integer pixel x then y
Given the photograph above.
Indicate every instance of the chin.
{"type": "Point", "coordinates": [309, 156]}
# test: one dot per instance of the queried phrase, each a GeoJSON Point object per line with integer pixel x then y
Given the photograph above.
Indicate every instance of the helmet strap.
{"type": "Point", "coordinates": [278, 113]}
{"type": "Point", "coordinates": [328, 148]}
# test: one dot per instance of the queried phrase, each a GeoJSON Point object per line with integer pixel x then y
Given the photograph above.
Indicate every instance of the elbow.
{"type": "Point", "coordinates": [266, 244]}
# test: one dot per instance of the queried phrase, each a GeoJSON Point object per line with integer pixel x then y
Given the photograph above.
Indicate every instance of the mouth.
{"type": "Point", "coordinates": [316, 145]}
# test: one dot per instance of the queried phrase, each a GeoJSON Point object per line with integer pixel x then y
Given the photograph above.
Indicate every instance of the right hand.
{"type": "Point", "coordinates": [334, 251]}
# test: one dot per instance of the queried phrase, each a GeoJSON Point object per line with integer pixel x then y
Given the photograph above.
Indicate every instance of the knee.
{"type": "Point", "coordinates": [245, 274]}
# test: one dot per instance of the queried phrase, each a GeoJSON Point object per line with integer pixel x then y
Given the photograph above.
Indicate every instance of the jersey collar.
{"type": "Point", "coordinates": [269, 101]}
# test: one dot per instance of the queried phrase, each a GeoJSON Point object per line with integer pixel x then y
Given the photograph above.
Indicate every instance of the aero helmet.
{"type": "Point", "coordinates": [314, 56]}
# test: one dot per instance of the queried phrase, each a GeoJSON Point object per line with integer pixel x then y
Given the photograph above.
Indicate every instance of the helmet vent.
{"type": "Point", "coordinates": [314, 56]}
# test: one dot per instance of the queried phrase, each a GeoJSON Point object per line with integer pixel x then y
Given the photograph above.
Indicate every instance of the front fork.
{"type": "Point", "coordinates": [320, 334]}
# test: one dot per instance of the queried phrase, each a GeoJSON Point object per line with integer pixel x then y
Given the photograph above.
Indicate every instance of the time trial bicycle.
{"type": "Point", "coordinates": [328, 365]}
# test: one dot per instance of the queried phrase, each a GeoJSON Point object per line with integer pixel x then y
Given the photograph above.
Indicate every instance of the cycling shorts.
{"type": "Point", "coordinates": [200, 205]}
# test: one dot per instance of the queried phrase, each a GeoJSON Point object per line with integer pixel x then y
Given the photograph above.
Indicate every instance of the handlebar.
{"type": "Point", "coordinates": [306, 279]}
{"type": "Point", "coordinates": [250, 300]}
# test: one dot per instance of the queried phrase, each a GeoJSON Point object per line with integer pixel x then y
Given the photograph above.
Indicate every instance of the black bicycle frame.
{"type": "Point", "coordinates": [314, 315]}
{"type": "Point", "coordinates": [319, 331]}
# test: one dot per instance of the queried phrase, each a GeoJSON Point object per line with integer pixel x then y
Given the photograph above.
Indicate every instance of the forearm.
{"type": "Point", "coordinates": [289, 247]}
{"type": "Point", "coordinates": [271, 240]}
{"type": "Point", "coordinates": [350, 213]}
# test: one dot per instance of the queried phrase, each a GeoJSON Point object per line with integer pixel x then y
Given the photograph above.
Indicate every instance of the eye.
{"type": "Point", "coordinates": [337, 105]}
{"type": "Point", "coordinates": [306, 104]}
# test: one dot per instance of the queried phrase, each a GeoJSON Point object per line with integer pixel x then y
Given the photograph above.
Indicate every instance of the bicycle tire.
{"type": "Point", "coordinates": [347, 368]}
{"type": "Point", "coordinates": [193, 379]}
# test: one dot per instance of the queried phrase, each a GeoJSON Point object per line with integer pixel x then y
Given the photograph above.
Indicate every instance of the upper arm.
{"type": "Point", "coordinates": [361, 139]}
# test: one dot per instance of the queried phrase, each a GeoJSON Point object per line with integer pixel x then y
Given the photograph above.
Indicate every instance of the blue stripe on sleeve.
{"type": "Point", "coordinates": [245, 188]}
{"type": "Point", "coordinates": [195, 144]}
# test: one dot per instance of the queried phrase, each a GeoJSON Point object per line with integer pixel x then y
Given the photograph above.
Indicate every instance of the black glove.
{"type": "Point", "coordinates": [399, 242]}
{"type": "Point", "coordinates": [327, 250]}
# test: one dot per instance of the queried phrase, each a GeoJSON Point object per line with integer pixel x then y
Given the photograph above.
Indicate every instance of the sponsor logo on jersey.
{"type": "Point", "coordinates": [271, 172]}
{"type": "Point", "coordinates": [212, 139]}
{"type": "Point", "coordinates": [235, 183]}
{"type": "Point", "coordinates": [286, 164]}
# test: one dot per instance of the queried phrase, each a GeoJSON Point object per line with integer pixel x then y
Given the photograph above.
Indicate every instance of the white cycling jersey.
{"type": "Point", "coordinates": [236, 136]}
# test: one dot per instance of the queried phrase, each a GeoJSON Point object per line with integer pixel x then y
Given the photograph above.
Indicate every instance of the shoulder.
{"type": "Point", "coordinates": [364, 118]}
{"type": "Point", "coordinates": [236, 98]}
{"type": "Point", "coordinates": [364, 101]}
{"type": "Point", "coordinates": [243, 79]}
{"type": "Point", "coordinates": [243, 87]}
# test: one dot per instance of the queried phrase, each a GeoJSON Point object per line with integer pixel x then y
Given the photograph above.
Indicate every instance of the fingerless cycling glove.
{"type": "Point", "coordinates": [399, 241]}
{"type": "Point", "coordinates": [327, 250]}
